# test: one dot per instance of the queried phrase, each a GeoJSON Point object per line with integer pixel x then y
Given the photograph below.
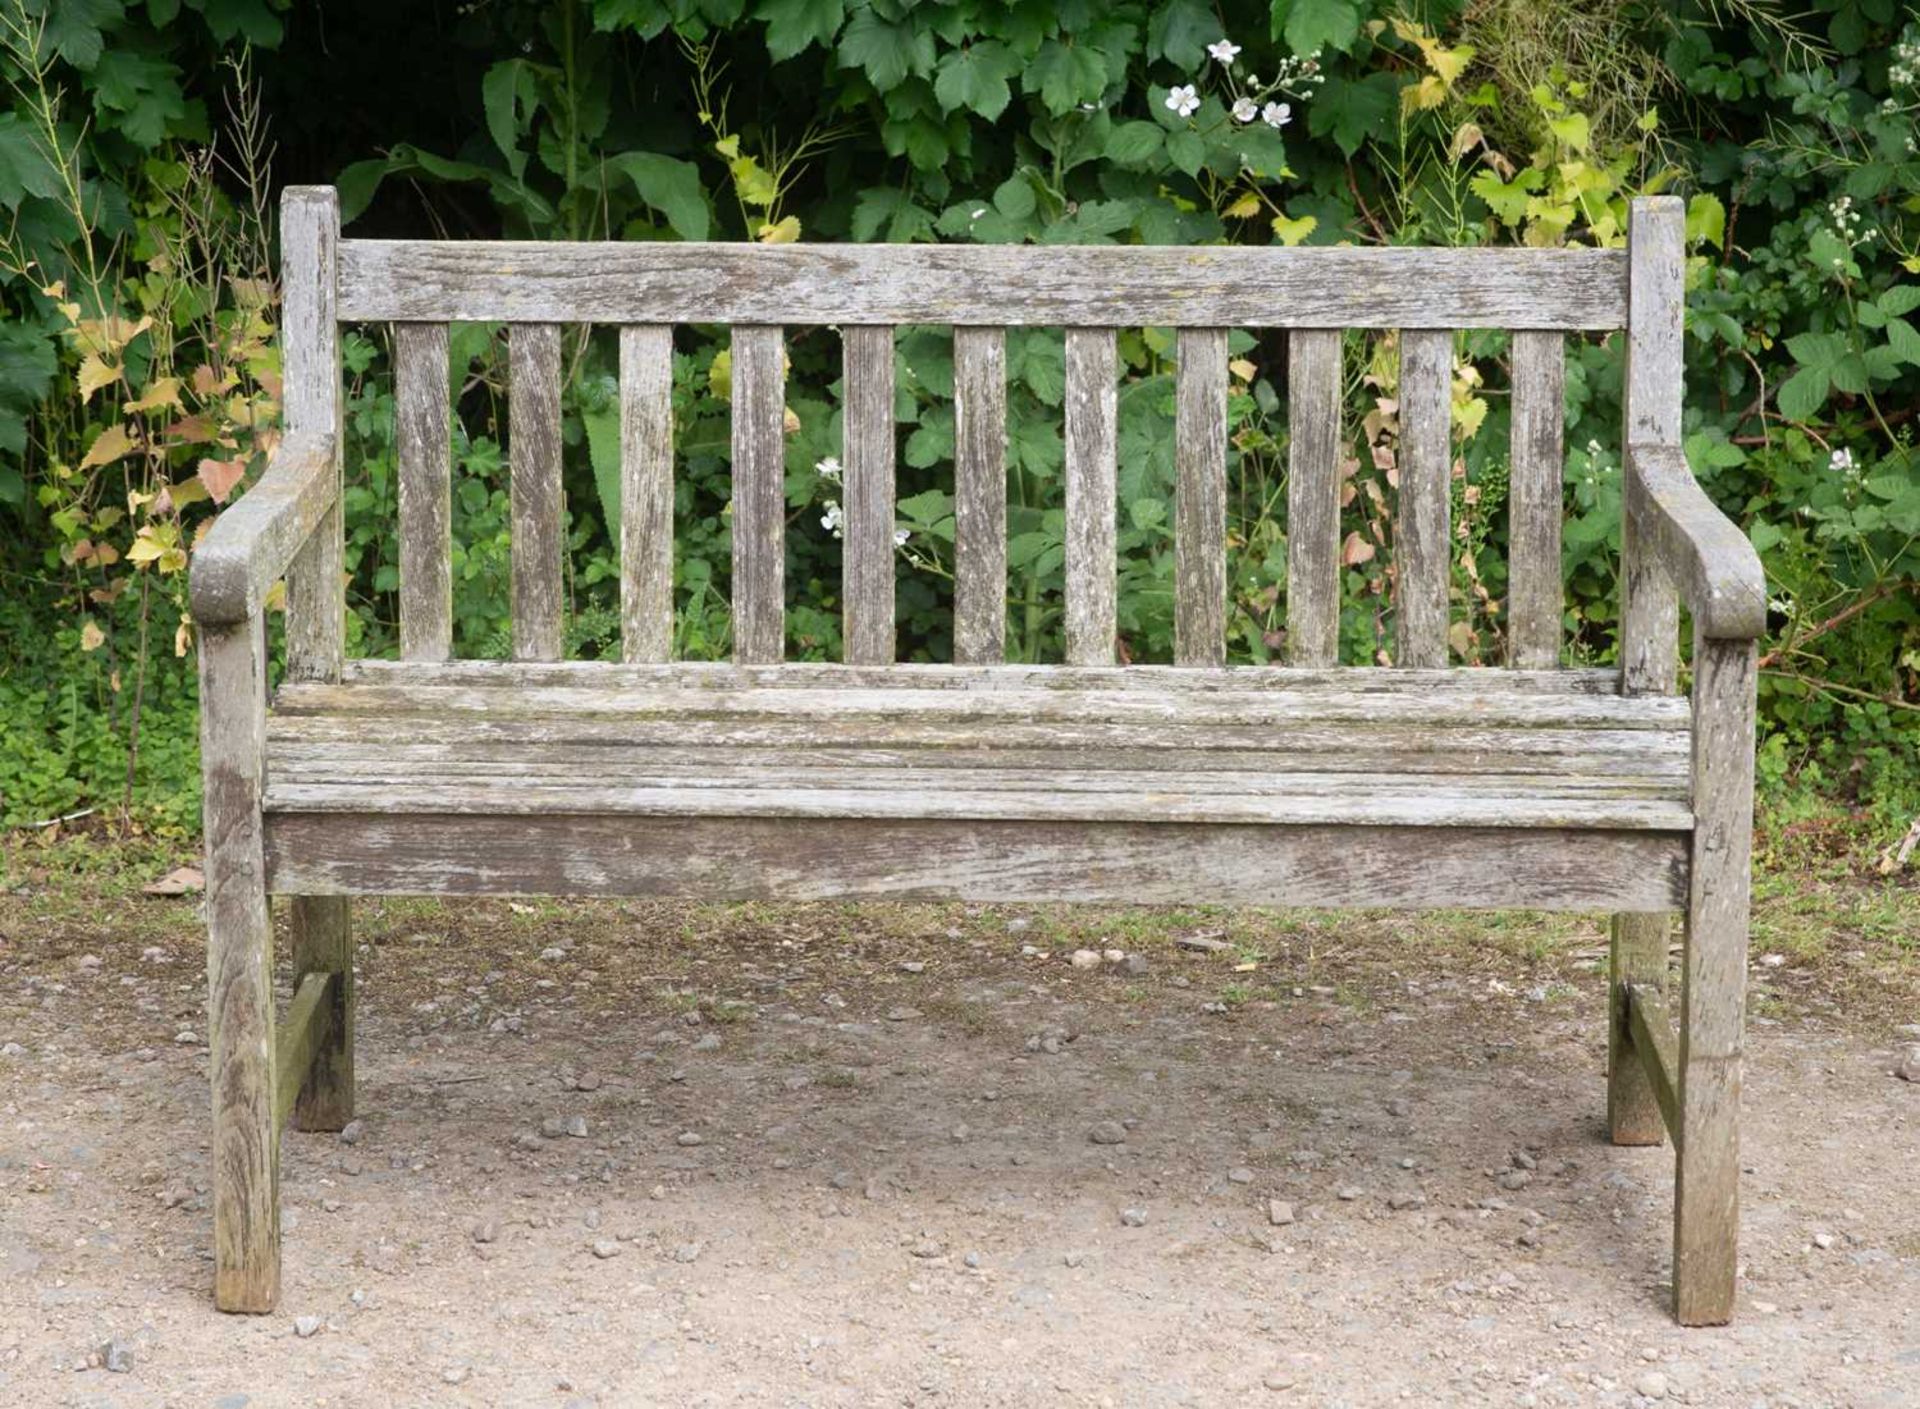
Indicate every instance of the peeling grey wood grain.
{"type": "Point", "coordinates": [1534, 502]}
{"type": "Point", "coordinates": [537, 541]}
{"type": "Point", "coordinates": [1656, 1052]}
{"type": "Point", "coordinates": [423, 432]}
{"type": "Point", "coordinates": [1637, 961]}
{"type": "Point", "coordinates": [1012, 285]}
{"type": "Point", "coordinates": [646, 493]}
{"type": "Point", "coordinates": [246, 1137]}
{"type": "Point", "coordinates": [1702, 552]}
{"type": "Point", "coordinates": [253, 543]}
{"type": "Point", "coordinates": [311, 401]}
{"type": "Point", "coordinates": [1092, 426]}
{"type": "Point", "coordinates": [1656, 296]}
{"type": "Point", "coordinates": [759, 495]}
{"type": "Point", "coordinates": [1200, 498]}
{"type": "Point", "coordinates": [770, 859]}
{"type": "Point", "coordinates": [724, 675]}
{"type": "Point", "coordinates": [1314, 388]}
{"type": "Point", "coordinates": [1422, 541]}
{"type": "Point", "coordinates": [867, 476]}
{"type": "Point", "coordinates": [1713, 976]}
{"type": "Point", "coordinates": [980, 495]}
{"type": "Point", "coordinates": [900, 706]}
{"type": "Point", "coordinates": [301, 1039]}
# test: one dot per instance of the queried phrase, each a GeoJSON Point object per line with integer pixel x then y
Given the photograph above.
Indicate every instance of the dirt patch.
{"type": "Point", "coordinates": [849, 1156]}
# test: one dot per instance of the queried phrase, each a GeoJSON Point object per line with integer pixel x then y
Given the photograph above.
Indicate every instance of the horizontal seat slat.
{"type": "Point", "coordinates": [1436, 809]}
{"type": "Point", "coordinates": [312, 742]}
{"type": "Point", "coordinates": [747, 858]}
{"type": "Point", "coordinates": [1271, 708]}
{"type": "Point", "coordinates": [803, 675]}
{"type": "Point", "coordinates": [1008, 285]}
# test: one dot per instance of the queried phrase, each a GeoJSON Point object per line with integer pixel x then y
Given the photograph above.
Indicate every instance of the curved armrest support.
{"type": "Point", "coordinates": [1704, 551]}
{"type": "Point", "coordinates": [251, 544]}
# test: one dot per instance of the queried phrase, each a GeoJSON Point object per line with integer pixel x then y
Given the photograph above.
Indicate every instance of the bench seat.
{"type": "Point", "coordinates": [1473, 787]}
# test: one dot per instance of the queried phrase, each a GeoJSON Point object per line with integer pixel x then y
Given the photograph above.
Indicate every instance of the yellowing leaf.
{"type": "Point", "coordinates": [1291, 231]}
{"type": "Point", "coordinates": [187, 491]}
{"type": "Point", "coordinates": [1242, 368]}
{"type": "Point", "coordinates": [789, 421]}
{"type": "Point", "coordinates": [95, 373]}
{"type": "Point", "coordinates": [1571, 130]}
{"type": "Point", "coordinates": [1468, 415]}
{"type": "Point", "coordinates": [784, 232]}
{"type": "Point", "coordinates": [220, 476]}
{"type": "Point", "coordinates": [720, 375]}
{"type": "Point", "coordinates": [1429, 92]}
{"type": "Point", "coordinates": [92, 638]}
{"type": "Point", "coordinates": [1356, 550]}
{"type": "Point", "coordinates": [161, 392]}
{"type": "Point", "coordinates": [755, 184]}
{"type": "Point", "coordinates": [111, 444]}
{"type": "Point", "coordinates": [1245, 208]}
{"type": "Point", "coordinates": [145, 548]}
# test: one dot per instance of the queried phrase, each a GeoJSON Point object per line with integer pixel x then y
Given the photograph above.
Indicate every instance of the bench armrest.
{"type": "Point", "coordinates": [251, 544]}
{"type": "Point", "coordinates": [1709, 559]}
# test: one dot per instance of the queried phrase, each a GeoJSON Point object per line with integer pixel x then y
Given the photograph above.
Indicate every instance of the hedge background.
{"type": "Point", "coordinates": [142, 147]}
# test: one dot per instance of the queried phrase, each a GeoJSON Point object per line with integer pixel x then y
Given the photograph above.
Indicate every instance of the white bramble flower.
{"type": "Point", "coordinates": [830, 520]}
{"type": "Point", "coordinates": [900, 537]}
{"type": "Point", "coordinates": [1840, 461]}
{"type": "Point", "coordinates": [1223, 50]}
{"type": "Point", "coordinates": [1183, 100]}
{"type": "Point", "coordinates": [1245, 110]}
{"type": "Point", "coordinates": [828, 468]}
{"type": "Point", "coordinates": [1277, 114]}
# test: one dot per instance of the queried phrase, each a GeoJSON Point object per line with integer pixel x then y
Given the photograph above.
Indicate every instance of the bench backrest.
{"type": "Point", "coordinates": [867, 291]}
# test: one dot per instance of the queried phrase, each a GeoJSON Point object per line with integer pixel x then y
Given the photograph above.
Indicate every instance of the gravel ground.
{"type": "Point", "coordinates": [678, 1155]}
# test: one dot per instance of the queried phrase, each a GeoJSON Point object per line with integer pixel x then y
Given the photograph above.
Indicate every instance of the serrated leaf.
{"type": "Point", "coordinates": [506, 92]}
{"type": "Point", "coordinates": [1014, 198]}
{"type": "Point", "coordinates": [1186, 151]}
{"type": "Point", "coordinates": [95, 372]}
{"type": "Point", "coordinates": [1900, 299]}
{"type": "Point", "coordinates": [887, 50]}
{"type": "Point", "coordinates": [1066, 75]}
{"type": "Point", "coordinates": [1707, 220]}
{"type": "Point", "coordinates": [670, 186]}
{"type": "Point", "coordinates": [1803, 394]}
{"type": "Point", "coordinates": [220, 476]}
{"type": "Point", "coordinates": [110, 445]}
{"type": "Point", "coordinates": [1903, 340]}
{"type": "Point", "coordinates": [1310, 26]}
{"type": "Point", "coordinates": [794, 26]}
{"type": "Point", "coordinates": [975, 77]}
{"type": "Point", "coordinates": [1134, 143]}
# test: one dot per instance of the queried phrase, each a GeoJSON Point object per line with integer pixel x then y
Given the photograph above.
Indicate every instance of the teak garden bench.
{"type": "Point", "coordinates": [1309, 784]}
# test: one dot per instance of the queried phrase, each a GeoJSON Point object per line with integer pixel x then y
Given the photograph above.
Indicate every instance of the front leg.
{"type": "Point", "coordinates": [246, 1141]}
{"type": "Point", "coordinates": [1713, 985]}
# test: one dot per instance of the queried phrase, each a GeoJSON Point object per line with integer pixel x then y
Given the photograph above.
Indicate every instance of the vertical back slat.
{"type": "Point", "coordinates": [1534, 501]}
{"type": "Point", "coordinates": [646, 492]}
{"type": "Point", "coordinates": [310, 343]}
{"type": "Point", "coordinates": [1656, 309]}
{"type": "Point", "coordinates": [533, 409]}
{"type": "Point", "coordinates": [1420, 540]}
{"type": "Point", "coordinates": [1313, 496]}
{"type": "Point", "coordinates": [1092, 478]}
{"type": "Point", "coordinates": [980, 496]}
{"type": "Point", "coordinates": [425, 448]}
{"type": "Point", "coordinates": [759, 496]}
{"type": "Point", "coordinates": [867, 486]}
{"type": "Point", "coordinates": [1200, 499]}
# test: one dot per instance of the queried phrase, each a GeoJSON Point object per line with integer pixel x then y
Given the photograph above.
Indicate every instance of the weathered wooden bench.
{"type": "Point", "coordinates": [1309, 784]}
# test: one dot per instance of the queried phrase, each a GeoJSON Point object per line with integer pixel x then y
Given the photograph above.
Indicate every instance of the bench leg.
{"type": "Point", "coordinates": [246, 1142]}
{"type": "Point", "coordinates": [1706, 1219]}
{"type": "Point", "coordinates": [322, 943]}
{"type": "Point", "coordinates": [1638, 956]}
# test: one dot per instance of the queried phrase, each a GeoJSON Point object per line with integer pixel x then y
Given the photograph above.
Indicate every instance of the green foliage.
{"type": "Point", "coordinates": [1001, 121]}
